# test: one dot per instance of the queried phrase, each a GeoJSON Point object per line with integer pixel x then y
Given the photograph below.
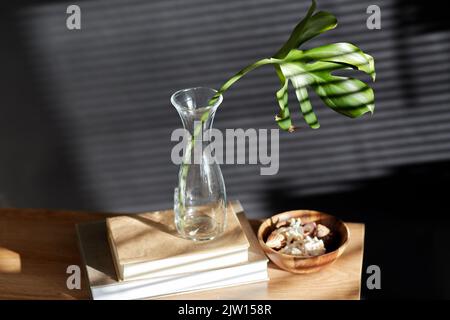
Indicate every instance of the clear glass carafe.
{"type": "Point", "coordinates": [200, 198]}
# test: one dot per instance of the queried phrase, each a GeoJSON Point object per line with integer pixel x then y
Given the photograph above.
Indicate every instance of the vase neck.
{"type": "Point", "coordinates": [193, 118]}
{"type": "Point", "coordinates": [193, 106]}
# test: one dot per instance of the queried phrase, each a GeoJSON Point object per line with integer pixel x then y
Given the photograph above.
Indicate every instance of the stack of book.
{"type": "Point", "coordinates": [141, 256]}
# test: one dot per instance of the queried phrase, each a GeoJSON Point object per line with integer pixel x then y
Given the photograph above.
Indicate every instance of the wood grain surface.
{"type": "Point", "coordinates": [37, 246]}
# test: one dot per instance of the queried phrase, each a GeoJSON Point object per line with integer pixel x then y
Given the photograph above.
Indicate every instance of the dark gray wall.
{"type": "Point", "coordinates": [101, 95]}
{"type": "Point", "coordinates": [86, 118]}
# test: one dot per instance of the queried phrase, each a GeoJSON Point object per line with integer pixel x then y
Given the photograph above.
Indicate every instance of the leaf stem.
{"type": "Point", "coordinates": [238, 76]}
{"type": "Point", "coordinates": [198, 128]}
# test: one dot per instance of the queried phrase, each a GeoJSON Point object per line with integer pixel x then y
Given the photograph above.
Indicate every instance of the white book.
{"type": "Point", "coordinates": [105, 285]}
{"type": "Point", "coordinates": [154, 287]}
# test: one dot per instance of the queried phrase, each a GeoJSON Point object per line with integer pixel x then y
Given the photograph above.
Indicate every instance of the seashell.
{"type": "Point", "coordinates": [309, 228]}
{"type": "Point", "coordinates": [276, 240]}
{"type": "Point", "coordinates": [322, 231]}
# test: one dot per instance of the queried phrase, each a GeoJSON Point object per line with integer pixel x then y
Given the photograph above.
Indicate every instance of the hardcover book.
{"type": "Point", "coordinates": [148, 245]}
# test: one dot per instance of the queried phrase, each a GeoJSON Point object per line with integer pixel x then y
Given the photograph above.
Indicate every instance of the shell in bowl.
{"type": "Point", "coordinates": [296, 264]}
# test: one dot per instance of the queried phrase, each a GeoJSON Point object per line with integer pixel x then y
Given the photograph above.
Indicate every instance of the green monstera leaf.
{"type": "Point", "coordinates": [313, 69]}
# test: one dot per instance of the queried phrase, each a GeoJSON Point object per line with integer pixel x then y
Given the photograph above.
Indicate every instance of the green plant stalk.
{"type": "Point", "coordinates": [198, 128]}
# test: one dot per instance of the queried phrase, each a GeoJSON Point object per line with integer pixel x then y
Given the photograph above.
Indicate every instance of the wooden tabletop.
{"type": "Point", "coordinates": [37, 246]}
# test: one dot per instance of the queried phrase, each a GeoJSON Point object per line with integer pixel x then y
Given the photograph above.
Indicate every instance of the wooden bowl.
{"type": "Point", "coordinates": [335, 247]}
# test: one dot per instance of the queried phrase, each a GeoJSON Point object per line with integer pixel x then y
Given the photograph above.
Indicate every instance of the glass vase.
{"type": "Point", "coordinates": [200, 198]}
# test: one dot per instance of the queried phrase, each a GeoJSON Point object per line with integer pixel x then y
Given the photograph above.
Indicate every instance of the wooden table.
{"type": "Point", "coordinates": [37, 246]}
